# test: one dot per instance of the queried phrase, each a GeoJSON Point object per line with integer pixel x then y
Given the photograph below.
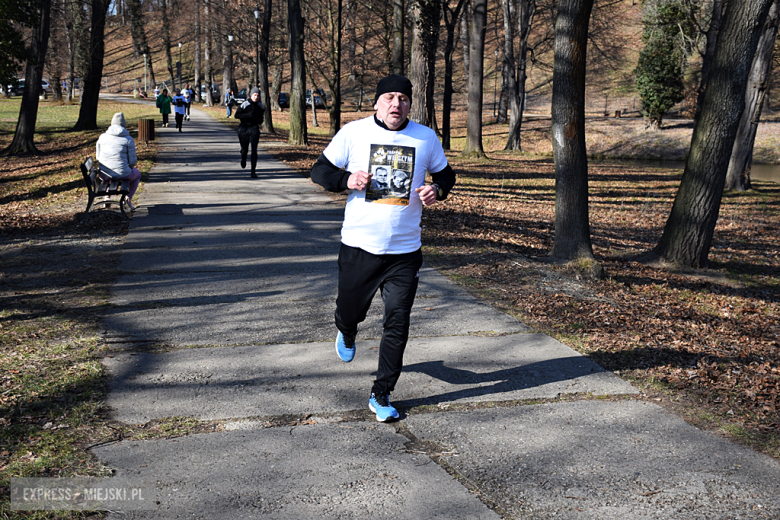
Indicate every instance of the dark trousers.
{"type": "Point", "coordinates": [179, 119]}
{"type": "Point", "coordinates": [249, 135]}
{"type": "Point", "coordinates": [396, 276]}
{"type": "Point", "coordinates": [187, 108]}
{"type": "Point", "coordinates": [165, 119]}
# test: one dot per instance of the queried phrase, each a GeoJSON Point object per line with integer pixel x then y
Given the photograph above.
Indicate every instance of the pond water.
{"type": "Point", "coordinates": [759, 172]}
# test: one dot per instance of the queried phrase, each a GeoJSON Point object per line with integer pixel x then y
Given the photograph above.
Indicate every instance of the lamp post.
{"type": "Point", "coordinates": [257, 43]}
{"type": "Point", "coordinates": [495, 88]}
{"type": "Point", "coordinates": [179, 66]}
{"type": "Point", "coordinates": [230, 60]}
{"type": "Point", "coordinates": [146, 85]}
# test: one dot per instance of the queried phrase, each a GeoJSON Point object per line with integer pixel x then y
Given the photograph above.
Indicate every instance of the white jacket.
{"type": "Point", "coordinates": [115, 151]}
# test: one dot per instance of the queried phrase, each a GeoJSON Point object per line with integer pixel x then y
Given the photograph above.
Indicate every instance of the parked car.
{"type": "Point", "coordinates": [15, 88]}
{"type": "Point", "coordinates": [214, 93]}
{"type": "Point", "coordinates": [241, 96]}
{"type": "Point", "coordinates": [319, 98]}
{"type": "Point", "coordinates": [284, 100]}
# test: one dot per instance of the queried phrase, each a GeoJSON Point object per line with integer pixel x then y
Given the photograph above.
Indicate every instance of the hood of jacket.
{"type": "Point", "coordinates": [118, 130]}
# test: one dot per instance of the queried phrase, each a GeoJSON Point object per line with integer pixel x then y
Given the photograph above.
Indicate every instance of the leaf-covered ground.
{"type": "Point", "coordinates": [705, 343]}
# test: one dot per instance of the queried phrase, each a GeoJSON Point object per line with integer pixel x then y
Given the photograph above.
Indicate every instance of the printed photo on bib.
{"type": "Point", "coordinates": [392, 170]}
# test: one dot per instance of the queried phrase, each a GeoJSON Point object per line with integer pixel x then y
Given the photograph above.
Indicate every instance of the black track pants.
{"type": "Point", "coordinates": [249, 135]}
{"type": "Point", "coordinates": [396, 276]}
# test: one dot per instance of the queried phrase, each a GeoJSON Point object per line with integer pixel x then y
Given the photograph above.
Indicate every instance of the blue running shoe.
{"type": "Point", "coordinates": [380, 405]}
{"type": "Point", "coordinates": [345, 347]}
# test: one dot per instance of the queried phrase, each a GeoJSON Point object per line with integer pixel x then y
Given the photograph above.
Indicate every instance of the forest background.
{"type": "Point", "coordinates": [703, 342]}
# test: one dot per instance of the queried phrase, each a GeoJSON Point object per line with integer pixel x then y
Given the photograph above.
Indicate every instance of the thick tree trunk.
{"type": "Point", "coordinates": [738, 173]}
{"type": "Point", "coordinates": [508, 8]}
{"type": "Point", "coordinates": [207, 40]}
{"type": "Point", "coordinates": [70, 38]}
{"type": "Point", "coordinates": [476, 68]}
{"type": "Point", "coordinates": [572, 226]}
{"type": "Point", "coordinates": [298, 131]}
{"type": "Point", "coordinates": [418, 68]}
{"type": "Point", "coordinates": [508, 67]}
{"type": "Point", "coordinates": [24, 142]}
{"type": "Point", "coordinates": [334, 82]}
{"type": "Point", "coordinates": [56, 37]}
{"type": "Point", "coordinates": [196, 62]}
{"type": "Point", "coordinates": [137, 27]}
{"type": "Point", "coordinates": [433, 22]}
{"type": "Point", "coordinates": [688, 233]}
{"type": "Point", "coordinates": [140, 44]}
{"type": "Point", "coordinates": [525, 15]}
{"type": "Point", "coordinates": [265, 97]}
{"type": "Point", "coordinates": [465, 31]}
{"type": "Point", "coordinates": [276, 86]}
{"type": "Point", "coordinates": [227, 65]}
{"type": "Point", "coordinates": [712, 38]}
{"type": "Point", "coordinates": [398, 37]}
{"type": "Point", "coordinates": [91, 81]}
{"type": "Point", "coordinates": [166, 34]}
{"type": "Point", "coordinates": [451, 18]}
{"type": "Point", "coordinates": [349, 28]}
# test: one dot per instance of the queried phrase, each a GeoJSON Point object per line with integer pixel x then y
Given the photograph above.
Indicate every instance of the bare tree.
{"type": "Point", "coordinates": [268, 122]}
{"type": "Point", "coordinates": [476, 67]}
{"type": "Point", "coordinates": [451, 19]}
{"type": "Point", "coordinates": [572, 226]}
{"type": "Point", "coordinates": [207, 52]}
{"type": "Point", "coordinates": [517, 64]}
{"type": "Point", "coordinates": [91, 80]}
{"type": "Point", "coordinates": [465, 32]}
{"type": "Point", "coordinates": [276, 86]}
{"type": "Point", "coordinates": [227, 62]}
{"type": "Point", "coordinates": [58, 47]}
{"type": "Point", "coordinates": [687, 236]}
{"type": "Point", "coordinates": [138, 32]}
{"type": "Point", "coordinates": [196, 61]}
{"type": "Point", "coordinates": [738, 173]}
{"type": "Point", "coordinates": [398, 37]}
{"type": "Point", "coordinates": [327, 61]}
{"type": "Point", "coordinates": [432, 28]}
{"type": "Point", "coordinates": [716, 18]}
{"type": "Point", "coordinates": [23, 142]}
{"type": "Point", "coordinates": [166, 34]}
{"type": "Point", "coordinates": [418, 68]}
{"type": "Point", "coordinates": [298, 132]}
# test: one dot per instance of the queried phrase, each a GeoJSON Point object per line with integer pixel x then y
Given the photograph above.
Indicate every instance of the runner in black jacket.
{"type": "Point", "coordinates": [250, 113]}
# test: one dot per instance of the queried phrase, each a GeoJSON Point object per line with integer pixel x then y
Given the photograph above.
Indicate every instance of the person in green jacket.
{"type": "Point", "coordinates": [164, 104]}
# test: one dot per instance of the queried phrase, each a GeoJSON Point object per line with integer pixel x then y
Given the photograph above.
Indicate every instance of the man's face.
{"type": "Point", "coordinates": [255, 96]}
{"type": "Point", "coordinates": [393, 108]}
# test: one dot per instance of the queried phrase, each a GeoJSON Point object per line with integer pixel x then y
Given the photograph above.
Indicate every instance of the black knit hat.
{"type": "Point", "coordinates": [393, 83]}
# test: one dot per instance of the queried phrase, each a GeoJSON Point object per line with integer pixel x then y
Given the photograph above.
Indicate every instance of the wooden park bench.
{"type": "Point", "coordinates": [103, 189]}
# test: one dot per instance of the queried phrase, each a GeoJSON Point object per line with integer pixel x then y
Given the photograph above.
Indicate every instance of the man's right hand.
{"type": "Point", "coordinates": [359, 180]}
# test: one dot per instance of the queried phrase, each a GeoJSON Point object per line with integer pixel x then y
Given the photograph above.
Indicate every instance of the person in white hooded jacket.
{"type": "Point", "coordinates": [115, 152]}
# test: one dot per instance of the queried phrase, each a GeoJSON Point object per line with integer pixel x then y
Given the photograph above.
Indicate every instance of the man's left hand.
{"type": "Point", "coordinates": [427, 194]}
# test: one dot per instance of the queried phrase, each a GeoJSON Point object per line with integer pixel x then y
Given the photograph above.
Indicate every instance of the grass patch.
{"type": "Point", "coordinates": [55, 276]}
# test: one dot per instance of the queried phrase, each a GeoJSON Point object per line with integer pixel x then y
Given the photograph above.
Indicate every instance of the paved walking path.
{"type": "Point", "coordinates": [224, 313]}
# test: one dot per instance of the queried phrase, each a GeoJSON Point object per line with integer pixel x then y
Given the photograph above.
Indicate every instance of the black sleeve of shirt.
{"type": "Point", "coordinates": [445, 179]}
{"type": "Point", "coordinates": [328, 175]}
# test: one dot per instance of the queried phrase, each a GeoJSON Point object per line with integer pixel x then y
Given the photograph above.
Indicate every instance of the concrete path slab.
{"type": "Point", "coordinates": [329, 471]}
{"type": "Point", "coordinates": [299, 379]}
{"type": "Point", "coordinates": [603, 460]}
{"type": "Point", "coordinates": [245, 269]}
